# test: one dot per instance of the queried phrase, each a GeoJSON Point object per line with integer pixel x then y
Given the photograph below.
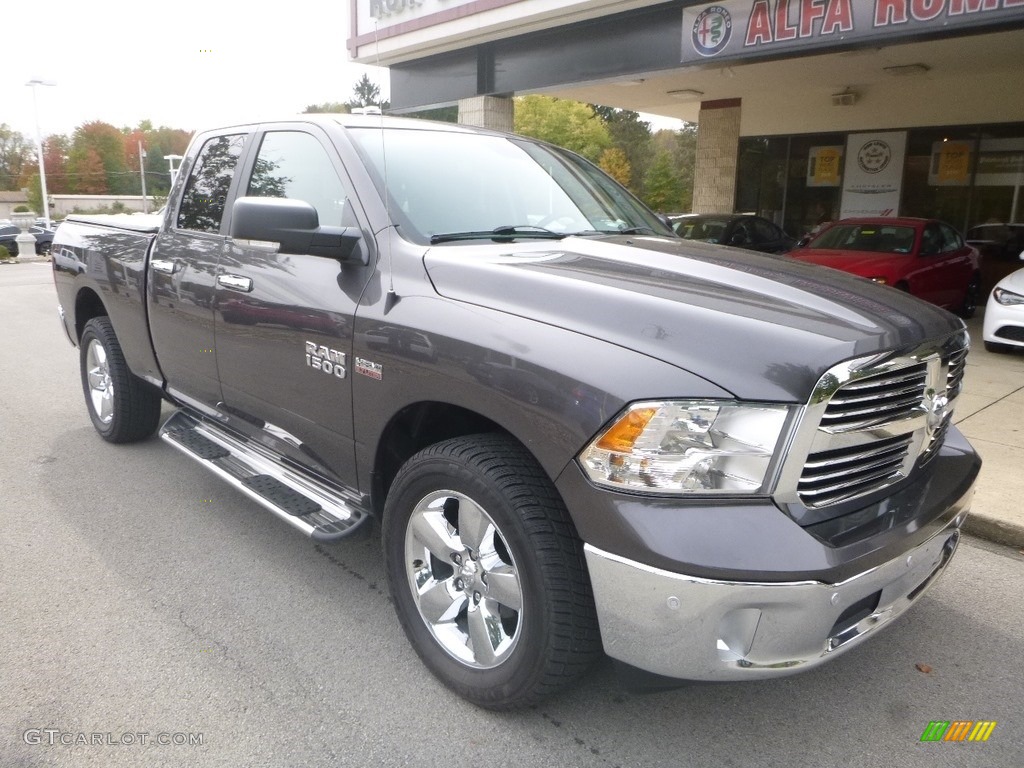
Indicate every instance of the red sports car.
{"type": "Point", "coordinates": [925, 257]}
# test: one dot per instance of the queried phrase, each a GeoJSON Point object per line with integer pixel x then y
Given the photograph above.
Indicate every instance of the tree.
{"type": "Point", "coordinates": [35, 194]}
{"type": "Point", "coordinates": [663, 190]}
{"type": "Point", "coordinates": [55, 160]}
{"type": "Point", "coordinates": [97, 160]}
{"type": "Point", "coordinates": [15, 154]}
{"type": "Point", "coordinates": [367, 94]}
{"type": "Point", "coordinates": [569, 124]}
{"type": "Point", "coordinates": [631, 135]}
{"type": "Point", "coordinates": [614, 163]}
{"type": "Point", "coordinates": [328, 107]}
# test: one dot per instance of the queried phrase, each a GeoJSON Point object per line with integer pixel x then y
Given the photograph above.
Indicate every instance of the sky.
{"type": "Point", "coordinates": [184, 64]}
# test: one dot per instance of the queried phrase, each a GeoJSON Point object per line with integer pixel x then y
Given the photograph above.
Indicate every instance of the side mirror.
{"type": "Point", "coordinates": [803, 241]}
{"type": "Point", "coordinates": [295, 226]}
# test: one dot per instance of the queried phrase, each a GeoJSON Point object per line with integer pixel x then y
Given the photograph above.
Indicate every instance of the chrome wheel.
{"type": "Point", "coordinates": [101, 386]}
{"type": "Point", "coordinates": [463, 578]}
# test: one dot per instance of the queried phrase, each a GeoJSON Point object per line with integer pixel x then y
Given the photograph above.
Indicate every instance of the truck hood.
{"type": "Point", "coordinates": [761, 327]}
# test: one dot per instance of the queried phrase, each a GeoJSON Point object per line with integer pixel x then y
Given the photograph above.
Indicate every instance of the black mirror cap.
{"type": "Point", "coordinates": [294, 224]}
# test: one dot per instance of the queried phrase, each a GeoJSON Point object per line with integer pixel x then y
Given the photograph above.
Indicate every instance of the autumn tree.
{"type": "Point", "coordinates": [55, 159]}
{"type": "Point", "coordinates": [97, 161]}
{"type": "Point", "coordinates": [569, 124]}
{"type": "Point", "coordinates": [15, 155]}
{"type": "Point", "coordinates": [613, 162]}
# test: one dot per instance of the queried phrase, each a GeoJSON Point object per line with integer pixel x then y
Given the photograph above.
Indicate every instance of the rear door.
{"type": "Point", "coordinates": [284, 322]}
{"type": "Point", "coordinates": [182, 270]}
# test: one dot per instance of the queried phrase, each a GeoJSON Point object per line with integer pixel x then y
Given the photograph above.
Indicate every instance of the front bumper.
{"type": "Point", "coordinates": [695, 628]}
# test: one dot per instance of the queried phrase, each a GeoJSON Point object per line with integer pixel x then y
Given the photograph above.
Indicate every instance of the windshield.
{"type": "Point", "coordinates": [870, 238]}
{"type": "Point", "coordinates": [443, 183]}
{"type": "Point", "coordinates": [708, 230]}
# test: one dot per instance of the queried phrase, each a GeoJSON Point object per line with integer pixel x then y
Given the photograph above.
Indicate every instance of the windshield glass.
{"type": "Point", "coordinates": [700, 228]}
{"type": "Point", "coordinates": [871, 238]}
{"type": "Point", "coordinates": [442, 182]}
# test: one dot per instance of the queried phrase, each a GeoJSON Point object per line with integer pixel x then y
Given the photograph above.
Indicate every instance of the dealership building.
{"type": "Point", "coordinates": [806, 109]}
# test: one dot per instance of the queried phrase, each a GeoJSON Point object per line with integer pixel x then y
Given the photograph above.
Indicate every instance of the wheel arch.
{"type": "Point", "coordinates": [87, 306]}
{"type": "Point", "coordinates": [417, 426]}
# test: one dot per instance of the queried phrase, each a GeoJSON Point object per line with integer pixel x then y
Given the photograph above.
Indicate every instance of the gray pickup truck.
{"type": "Point", "coordinates": [577, 433]}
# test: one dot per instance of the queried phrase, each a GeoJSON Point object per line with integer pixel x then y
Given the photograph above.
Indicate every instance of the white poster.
{"type": "Point", "coordinates": [873, 174]}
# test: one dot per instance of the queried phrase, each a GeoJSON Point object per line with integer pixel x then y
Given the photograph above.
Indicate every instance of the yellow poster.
{"type": "Point", "coordinates": [824, 166]}
{"type": "Point", "coordinates": [951, 164]}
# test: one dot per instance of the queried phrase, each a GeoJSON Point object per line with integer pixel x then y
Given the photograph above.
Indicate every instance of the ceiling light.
{"type": "Point", "coordinates": [905, 70]}
{"type": "Point", "coordinates": [686, 94]}
{"type": "Point", "coordinates": [627, 83]}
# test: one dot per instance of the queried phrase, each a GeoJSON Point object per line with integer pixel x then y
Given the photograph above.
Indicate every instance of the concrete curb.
{"type": "Point", "coordinates": [995, 530]}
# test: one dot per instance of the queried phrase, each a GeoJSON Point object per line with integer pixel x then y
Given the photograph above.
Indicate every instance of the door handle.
{"type": "Point", "coordinates": [235, 283]}
{"type": "Point", "coordinates": [166, 266]}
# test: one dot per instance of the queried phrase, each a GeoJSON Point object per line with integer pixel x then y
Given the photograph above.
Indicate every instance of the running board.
{"type": "Point", "coordinates": [320, 512]}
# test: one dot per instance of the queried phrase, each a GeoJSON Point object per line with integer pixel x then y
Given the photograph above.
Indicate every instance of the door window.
{"type": "Point", "coordinates": [295, 165]}
{"type": "Point", "coordinates": [206, 191]}
{"type": "Point", "coordinates": [950, 239]}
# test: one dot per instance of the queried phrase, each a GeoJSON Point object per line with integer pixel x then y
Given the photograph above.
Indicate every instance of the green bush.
{"type": "Point", "coordinates": [4, 253]}
{"type": "Point", "coordinates": [21, 209]}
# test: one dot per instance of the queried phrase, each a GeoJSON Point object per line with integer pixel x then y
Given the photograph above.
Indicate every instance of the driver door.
{"type": "Point", "coordinates": [284, 321]}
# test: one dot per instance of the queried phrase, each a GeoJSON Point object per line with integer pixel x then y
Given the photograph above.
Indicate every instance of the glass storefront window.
{"type": "Point", "coordinates": [937, 174]}
{"type": "Point", "coordinates": [966, 176]}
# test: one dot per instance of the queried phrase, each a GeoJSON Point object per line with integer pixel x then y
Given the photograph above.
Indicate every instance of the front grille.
{"type": "Point", "coordinates": [955, 375]}
{"type": "Point", "coordinates": [876, 399]}
{"type": "Point", "coordinates": [870, 424]}
{"type": "Point", "coordinates": [845, 473]}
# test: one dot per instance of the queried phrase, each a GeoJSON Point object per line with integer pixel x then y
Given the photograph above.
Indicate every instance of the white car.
{"type": "Point", "coordinates": [1004, 314]}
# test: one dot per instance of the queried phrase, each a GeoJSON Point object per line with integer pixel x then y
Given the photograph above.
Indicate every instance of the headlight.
{"type": "Point", "coordinates": [684, 447]}
{"type": "Point", "coordinates": [1007, 298]}
{"type": "Point", "coordinates": [881, 280]}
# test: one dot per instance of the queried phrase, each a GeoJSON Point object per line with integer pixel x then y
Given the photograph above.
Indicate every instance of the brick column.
{"type": "Point", "coordinates": [493, 112]}
{"type": "Point", "coordinates": [714, 175]}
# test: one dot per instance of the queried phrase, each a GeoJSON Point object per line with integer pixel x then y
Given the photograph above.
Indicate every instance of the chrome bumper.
{"type": "Point", "coordinates": [699, 629]}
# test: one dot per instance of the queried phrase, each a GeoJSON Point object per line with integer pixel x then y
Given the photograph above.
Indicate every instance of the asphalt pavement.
{"type": "Point", "coordinates": [143, 601]}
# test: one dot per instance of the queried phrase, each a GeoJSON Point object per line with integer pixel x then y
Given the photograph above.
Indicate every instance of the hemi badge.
{"type": "Point", "coordinates": [368, 368]}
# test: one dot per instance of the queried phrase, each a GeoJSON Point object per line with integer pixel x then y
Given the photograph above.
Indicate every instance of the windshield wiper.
{"type": "Point", "coordinates": [624, 231]}
{"type": "Point", "coordinates": [502, 233]}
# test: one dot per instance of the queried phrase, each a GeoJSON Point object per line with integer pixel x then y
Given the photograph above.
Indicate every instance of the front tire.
{"type": "Point", "coordinates": [123, 408]}
{"type": "Point", "coordinates": [487, 573]}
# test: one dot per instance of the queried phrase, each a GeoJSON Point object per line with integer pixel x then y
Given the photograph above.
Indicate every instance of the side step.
{"type": "Point", "coordinates": [322, 513]}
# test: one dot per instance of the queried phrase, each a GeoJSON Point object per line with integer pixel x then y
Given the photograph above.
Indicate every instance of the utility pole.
{"type": "Point", "coordinates": [142, 175]}
{"type": "Point", "coordinates": [39, 148]}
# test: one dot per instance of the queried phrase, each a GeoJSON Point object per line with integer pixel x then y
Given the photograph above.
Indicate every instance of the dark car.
{"type": "Point", "coordinates": [43, 236]}
{"type": "Point", "coordinates": [740, 230]}
{"type": "Point", "coordinates": [924, 257]}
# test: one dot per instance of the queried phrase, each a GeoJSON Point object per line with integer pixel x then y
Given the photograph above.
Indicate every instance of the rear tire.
{"type": "Point", "coordinates": [123, 408]}
{"type": "Point", "coordinates": [487, 573]}
{"type": "Point", "coordinates": [970, 303]}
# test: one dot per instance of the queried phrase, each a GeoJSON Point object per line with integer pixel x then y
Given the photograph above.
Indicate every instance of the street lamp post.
{"type": "Point", "coordinates": [39, 148]}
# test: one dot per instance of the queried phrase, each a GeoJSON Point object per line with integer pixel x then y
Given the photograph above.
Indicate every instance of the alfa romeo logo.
{"type": "Point", "coordinates": [874, 156]}
{"type": "Point", "coordinates": [711, 31]}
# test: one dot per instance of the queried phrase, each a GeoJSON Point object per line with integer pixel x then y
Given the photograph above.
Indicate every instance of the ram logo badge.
{"type": "Point", "coordinates": [321, 358]}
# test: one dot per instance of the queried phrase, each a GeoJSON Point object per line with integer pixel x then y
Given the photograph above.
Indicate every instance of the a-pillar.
{"type": "Point", "coordinates": [494, 112]}
{"type": "Point", "coordinates": [718, 140]}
